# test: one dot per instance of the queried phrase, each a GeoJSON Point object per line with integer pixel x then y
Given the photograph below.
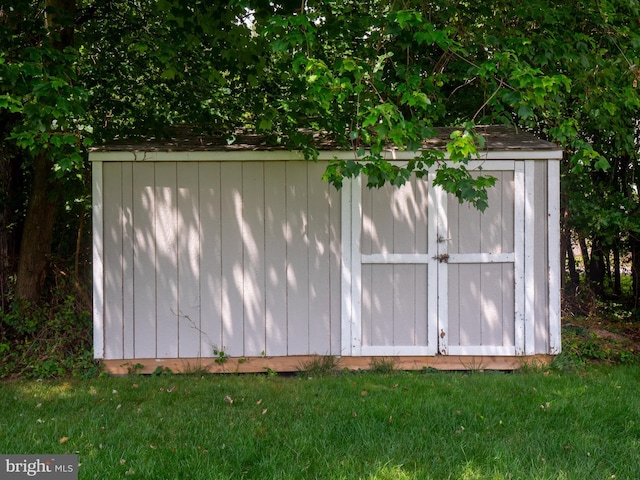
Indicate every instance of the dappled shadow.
{"type": "Point", "coordinates": [233, 257]}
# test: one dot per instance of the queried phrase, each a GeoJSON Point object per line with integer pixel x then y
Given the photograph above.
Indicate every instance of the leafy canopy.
{"type": "Point", "coordinates": [369, 74]}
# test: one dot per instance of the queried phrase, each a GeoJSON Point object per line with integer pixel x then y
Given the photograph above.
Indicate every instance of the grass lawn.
{"type": "Point", "coordinates": [529, 425]}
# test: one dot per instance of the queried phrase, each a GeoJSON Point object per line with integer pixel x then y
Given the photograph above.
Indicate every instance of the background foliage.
{"type": "Point", "coordinates": [365, 73]}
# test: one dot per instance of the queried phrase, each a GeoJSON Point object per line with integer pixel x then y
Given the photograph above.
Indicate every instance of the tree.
{"type": "Point", "coordinates": [42, 104]}
{"type": "Point", "coordinates": [366, 73]}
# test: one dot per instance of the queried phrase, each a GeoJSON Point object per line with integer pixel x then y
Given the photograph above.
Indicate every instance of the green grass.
{"type": "Point", "coordinates": [529, 425]}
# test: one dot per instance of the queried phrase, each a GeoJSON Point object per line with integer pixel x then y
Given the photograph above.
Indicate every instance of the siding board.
{"type": "Point", "coordinates": [188, 238]}
{"type": "Point", "coordinates": [127, 250]}
{"type": "Point", "coordinates": [319, 261]}
{"type": "Point", "coordinates": [144, 206]}
{"type": "Point", "coordinates": [210, 257]}
{"type": "Point", "coordinates": [166, 268]}
{"type": "Point", "coordinates": [113, 237]}
{"type": "Point", "coordinates": [253, 240]}
{"type": "Point", "coordinates": [297, 259]}
{"type": "Point", "coordinates": [232, 204]}
{"type": "Point", "coordinates": [335, 271]}
{"type": "Point", "coordinates": [541, 260]}
{"type": "Point", "coordinates": [275, 259]}
{"type": "Point", "coordinates": [98, 226]}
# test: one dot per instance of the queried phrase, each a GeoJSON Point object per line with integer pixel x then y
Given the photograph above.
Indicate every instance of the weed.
{"type": "Point", "coordinates": [270, 372]}
{"type": "Point", "coordinates": [197, 370]}
{"type": "Point", "coordinates": [221, 357]}
{"type": "Point", "coordinates": [160, 371]}
{"type": "Point", "coordinates": [382, 365]}
{"type": "Point", "coordinates": [133, 368]}
{"type": "Point", "coordinates": [320, 365]}
{"type": "Point", "coordinates": [590, 343]}
{"type": "Point", "coordinates": [430, 370]}
{"type": "Point", "coordinates": [565, 362]}
{"type": "Point", "coordinates": [474, 364]}
{"type": "Point", "coordinates": [47, 341]}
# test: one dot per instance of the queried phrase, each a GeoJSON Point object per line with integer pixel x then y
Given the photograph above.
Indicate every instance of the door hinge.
{"type": "Point", "coordinates": [442, 258]}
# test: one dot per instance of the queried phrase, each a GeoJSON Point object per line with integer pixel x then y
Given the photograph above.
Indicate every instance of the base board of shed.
{"type": "Point", "coordinates": [302, 362]}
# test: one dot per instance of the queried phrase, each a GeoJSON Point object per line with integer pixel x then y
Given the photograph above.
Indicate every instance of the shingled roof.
{"type": "Point", "coordinates": [184, 139]}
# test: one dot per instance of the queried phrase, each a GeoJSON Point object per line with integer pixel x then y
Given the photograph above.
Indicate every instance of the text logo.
{"type": "Point", "coordinates": [49, 467]}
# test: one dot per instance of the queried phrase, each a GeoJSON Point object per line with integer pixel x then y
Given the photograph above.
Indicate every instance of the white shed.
{"type": "Point", "coordinates": [241, 258]}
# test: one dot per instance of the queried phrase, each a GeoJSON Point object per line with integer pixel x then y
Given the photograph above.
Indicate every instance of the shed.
{"type": "Point", "coordinates": [241, 258]}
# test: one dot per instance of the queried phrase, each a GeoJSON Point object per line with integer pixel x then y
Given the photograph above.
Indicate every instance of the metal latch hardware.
{"type": "Point", "coordinates": [442, 258]}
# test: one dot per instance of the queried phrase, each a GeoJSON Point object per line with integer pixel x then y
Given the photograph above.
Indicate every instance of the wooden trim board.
{"type": "Point", "coordinates": [297, 363]}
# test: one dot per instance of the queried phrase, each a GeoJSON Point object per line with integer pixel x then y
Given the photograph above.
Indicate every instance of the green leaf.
{"type": "Point", "coordinates": [169, 73]}
{"type": "Point", "coordinates": [265, 124]}
{"type": "Point", "coordinates": [525, 112]}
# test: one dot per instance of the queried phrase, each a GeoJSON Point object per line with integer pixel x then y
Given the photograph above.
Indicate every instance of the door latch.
{"type": "Point", "coordinates": [442, 258]}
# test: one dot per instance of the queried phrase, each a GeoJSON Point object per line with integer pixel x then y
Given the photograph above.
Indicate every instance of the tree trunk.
{"type": "Point", "coordinates": [574, 276]}
{"type": "Point", "coordinates": [35, 247]}
{"type": "Point", "coordinates": [37, 236]}
{"type": "Point", "coordinates": [568, 262]}
{"type": "Point", "coordinates": [584, 250]}
{"type": "Point", "coordinates": [597, 267]}
{"type": "Point", "coordinates": [59, 18]}
{"type": "Point", "coordinates": [617, 281]}
{"type": "Point", "coordinates": [10, 199]}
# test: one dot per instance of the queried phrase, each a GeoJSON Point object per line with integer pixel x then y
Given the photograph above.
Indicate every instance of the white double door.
{"type": "Point", "coordinates": [426, 275]}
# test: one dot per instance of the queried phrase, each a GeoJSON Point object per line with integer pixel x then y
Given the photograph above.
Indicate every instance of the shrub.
{"type": "Point", "coordinates": [47, 341]}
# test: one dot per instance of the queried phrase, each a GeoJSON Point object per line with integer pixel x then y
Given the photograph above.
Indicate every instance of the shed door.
{"type": "Point", "coordinates": [480, 312]}
{"type": "Point", "coordinates": [398, 270]}
{"type": "Point", "coordinates": [428, 275]}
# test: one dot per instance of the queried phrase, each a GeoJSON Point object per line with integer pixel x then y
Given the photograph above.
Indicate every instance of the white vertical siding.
{"type": "Point", "coordinates": [166, 265]}
{"type": "Point", "coordinates": [297, 260]}
{"type": "Point", "coordinates": [128, 261]}
{"type": "Point", "coordinates": [529, 257]}
{"type": "Point", "coordinates": [210, 262]}
{"type": "Point", "coordinates": [555, 269]}
{"type": "Point", "coordinates": [144, 252]}
{"type": "Point", "coordinates": [319, 235]}
{"type": "Point", "coordinates": [188, 252]}
{"type": "Point", "coordinates": [275, 252]}
{"type": "Point", "coordinates": [242, 257]}
{"type": "Point", "coordinates": [351, 305]}
{"type": "Point", "coordinates": [253, 242]}
{"type": "Point", "coordinates": [264, 258]}
{"type": "Point", "coordinates": [97, 199]}
{"type": "Point", "coordinates": [113, 272]}
{"type": "Point", "coordinates": [232, 205]}
{"type": "Point", "coordinates": [541, 263]}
